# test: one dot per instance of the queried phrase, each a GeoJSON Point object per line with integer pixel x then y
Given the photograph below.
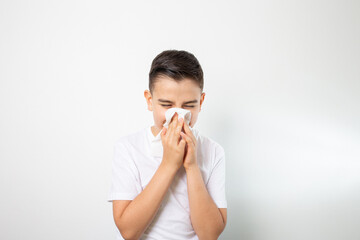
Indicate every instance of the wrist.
{"type": "Point", "coordinates": [169, 167]}
{"type": "Point", "coordinates": [193, 167]}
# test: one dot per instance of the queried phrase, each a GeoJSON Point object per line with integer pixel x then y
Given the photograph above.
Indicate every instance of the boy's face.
{"type": "Point", "coordinates": [168, 93]}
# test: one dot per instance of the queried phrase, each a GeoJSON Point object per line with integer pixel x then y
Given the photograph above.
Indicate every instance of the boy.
{"type": "Point", "coordinates": [179, 194]}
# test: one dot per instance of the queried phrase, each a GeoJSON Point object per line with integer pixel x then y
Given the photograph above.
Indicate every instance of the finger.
{"type": "Point", "coordinates": [184, 136]}
{"type": "Point", "coordinates": [189, 132]}
{"type": "Point", "coordinates": [164, 138]}
{"type": "Point", "coordinates": [173, 121]}
{"type": "Point", "coordinates": [186, 125]}
{"type": "Point", "coordinates": [163, 133]}
{"type": "Point", "coordinates": [182, 124]}
{"type": "Point", "coordinates": [177, 130]}
{"type": "Point", "coordinates": [187, 139]}
{"type": "Point", "coordinates": [182, 143]}
{"type": "Point", "coordinates": [174, 135]}
{"type": "Point", "coordinates": [179, 127]}
{"type": "Point", "coordinates": [174, 117]}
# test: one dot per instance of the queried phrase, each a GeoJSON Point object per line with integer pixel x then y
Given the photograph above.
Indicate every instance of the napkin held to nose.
{"type": "Point", "coordinates": [156, 144]}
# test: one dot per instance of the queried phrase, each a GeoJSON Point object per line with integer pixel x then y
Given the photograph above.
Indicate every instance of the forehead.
{"type": "Point", "coordinates": [168, 87]}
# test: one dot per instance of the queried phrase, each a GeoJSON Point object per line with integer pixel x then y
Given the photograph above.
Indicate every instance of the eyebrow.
{"type": "Point", "coordinates": [168, 101]}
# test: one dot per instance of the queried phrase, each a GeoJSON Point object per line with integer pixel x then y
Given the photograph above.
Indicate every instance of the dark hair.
{"type": "Point", "coordinates": [176, 64]}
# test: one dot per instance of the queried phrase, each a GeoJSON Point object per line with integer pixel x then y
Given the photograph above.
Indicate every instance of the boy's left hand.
{"type": "Point", "coordinates": [190, 149]}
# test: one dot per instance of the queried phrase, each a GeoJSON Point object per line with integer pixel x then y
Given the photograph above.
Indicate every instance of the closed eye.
{"type": "Point", "coordinates": [170, 106]}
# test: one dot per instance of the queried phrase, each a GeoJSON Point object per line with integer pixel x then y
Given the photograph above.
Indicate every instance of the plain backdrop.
{"type": "Point", "coordinates": [282, 84]}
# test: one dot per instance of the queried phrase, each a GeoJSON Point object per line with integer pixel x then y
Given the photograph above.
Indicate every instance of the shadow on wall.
{"type": "Point", "coordinates": [228, 130]}
{"type": "Point", "coordinates": [238, 225]}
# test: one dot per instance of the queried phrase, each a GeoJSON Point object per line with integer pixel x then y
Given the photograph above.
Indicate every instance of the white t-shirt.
{"type": "Point", "coordinates": [133, 167]}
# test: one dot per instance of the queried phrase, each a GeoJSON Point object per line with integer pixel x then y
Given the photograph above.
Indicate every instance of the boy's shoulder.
{"type": "Point", "coordinates": [134, 138]}
{"type": "Point", "coordinates": [209, 143]}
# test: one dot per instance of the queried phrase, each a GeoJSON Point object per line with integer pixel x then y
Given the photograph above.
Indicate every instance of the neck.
{"type": "Point", "coordinates": [155, 130]}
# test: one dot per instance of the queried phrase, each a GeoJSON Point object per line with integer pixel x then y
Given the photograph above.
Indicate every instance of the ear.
{"type": "Point", "coordinates": [202, 99]}
{"type": "Point", "coordinates": [148, 99]}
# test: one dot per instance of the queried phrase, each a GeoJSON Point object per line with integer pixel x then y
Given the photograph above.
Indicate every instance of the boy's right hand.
{"type": "Point", "coordinates": [173, 149]}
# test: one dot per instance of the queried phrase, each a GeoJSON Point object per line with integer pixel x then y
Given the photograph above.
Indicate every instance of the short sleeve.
{"type": "Point", "coordinates": [216, 182]}
{"type": "Point", "coordinates": [125, 183]}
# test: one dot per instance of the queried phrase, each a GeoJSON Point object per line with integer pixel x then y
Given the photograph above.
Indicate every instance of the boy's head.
{"type": "Point", "coordinates": [175, 80]}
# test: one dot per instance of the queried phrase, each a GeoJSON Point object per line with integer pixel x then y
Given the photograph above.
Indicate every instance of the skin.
{"type": "Point", "coordinates": [176, 92]}
{"type": "Point", "coordinates": [132, 217]}
{"type": "Point", "coordinates": [179, 93]}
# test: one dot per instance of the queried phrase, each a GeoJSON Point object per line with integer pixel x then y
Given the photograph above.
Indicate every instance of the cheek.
{"type": "Point", "coordinates": [193, 119]}
{"type": "Point", "coordinates": [160, 117]}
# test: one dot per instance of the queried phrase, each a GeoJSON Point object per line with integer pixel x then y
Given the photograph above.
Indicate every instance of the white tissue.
{"type": "Point", "coordinates": [182, 113]}
{"type": "Point", "coordinates": [156, 144]}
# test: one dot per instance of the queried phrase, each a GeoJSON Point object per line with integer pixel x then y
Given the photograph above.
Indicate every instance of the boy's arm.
{"type": "Point", "coordinates": [208, 221]}
{"type": "Point", "coordinates": [140, 212]}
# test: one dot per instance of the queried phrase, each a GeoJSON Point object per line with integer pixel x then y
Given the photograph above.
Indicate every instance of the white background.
{"type": "Point", "coordinates": [282, 84]}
